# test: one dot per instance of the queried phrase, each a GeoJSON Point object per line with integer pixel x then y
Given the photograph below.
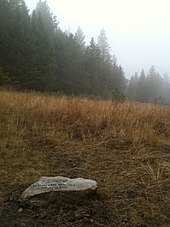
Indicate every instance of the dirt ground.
{"type": "Point", "coordinates": [128, 194]}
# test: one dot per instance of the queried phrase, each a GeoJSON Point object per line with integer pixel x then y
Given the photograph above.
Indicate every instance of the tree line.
{"type": "Point", "coordinates": [149, 87]}
{"type": "Point", "coordinates": [35, 54]}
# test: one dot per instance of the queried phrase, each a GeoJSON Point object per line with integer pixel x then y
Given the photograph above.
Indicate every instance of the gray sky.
{"type": "Point", "coordinates": [138, 31]}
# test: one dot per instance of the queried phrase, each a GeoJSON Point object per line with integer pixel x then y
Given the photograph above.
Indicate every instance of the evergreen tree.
{"type": "Point", "coordinates": [133, 87]}
{"type": "Point", "coordinates": [141, 90]}
{"type": "Point", "coordinates": [14, 24]}
{"type": "Point", "coordinates": [154, 86]}
{"type": "Point", "coordinates": [104, 46]}
{"type": "Point", "coordinates": [44, 26]}
{"type": "Point", "coordinates": [80, 38]}
{"type": "Point", "coordinates": [92, 65]}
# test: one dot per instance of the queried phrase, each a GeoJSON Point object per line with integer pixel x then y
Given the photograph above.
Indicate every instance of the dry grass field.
{"type": "Point", "coordinates": [125, 147]}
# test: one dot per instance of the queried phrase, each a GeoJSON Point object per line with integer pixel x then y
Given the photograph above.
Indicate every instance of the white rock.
{"type": "Point", "coordinates": [48, 189]}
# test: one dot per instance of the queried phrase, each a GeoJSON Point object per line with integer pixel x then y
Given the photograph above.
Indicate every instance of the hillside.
{"type": "Point", "coordinates": [123, 146]}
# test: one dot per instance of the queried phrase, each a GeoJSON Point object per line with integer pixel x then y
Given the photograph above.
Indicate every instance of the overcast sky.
{"type": "Point", "coordinates": [138, 31]}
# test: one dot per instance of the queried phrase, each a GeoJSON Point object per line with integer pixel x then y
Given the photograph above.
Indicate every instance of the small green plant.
{"type": "Point", "coordinates": [118, 96]}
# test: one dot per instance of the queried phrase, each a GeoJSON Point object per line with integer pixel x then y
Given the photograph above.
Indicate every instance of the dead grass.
{"type": "Point", "coordinates": [124, 146]}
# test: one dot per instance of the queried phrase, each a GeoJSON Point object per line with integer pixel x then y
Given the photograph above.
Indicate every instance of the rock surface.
{"type": "Point", "coordinates": [59, 189]}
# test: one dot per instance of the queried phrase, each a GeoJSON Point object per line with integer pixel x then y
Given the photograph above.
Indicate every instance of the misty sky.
{"type": "Point", "coordinates": [138, 31]}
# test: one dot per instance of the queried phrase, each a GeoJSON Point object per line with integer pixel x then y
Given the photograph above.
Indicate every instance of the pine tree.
{"type": "Point", "coordinates": [104, 46]}
{"type": "Point", "coordinates": [92, 65]}
{"type": "Point", "coordinates": [80, 38]}
{"type": "Point", "coordinates": [142, 91]}
{"type": "Point", "coordinates": [154, 86]}
{"type": "Point", "coordinates": [44, 28]}
{"type": "Point", "coordinates": [14, 22]}
{"type": "Point", "coordinates": [133, 87]}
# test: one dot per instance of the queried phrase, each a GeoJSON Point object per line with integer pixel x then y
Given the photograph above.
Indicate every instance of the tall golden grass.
{"type": "Point", "coordinates": [130, 122]}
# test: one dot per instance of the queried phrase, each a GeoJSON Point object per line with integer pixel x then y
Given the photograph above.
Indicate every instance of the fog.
{"type": "Point", "coordinates": [138, 31]}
